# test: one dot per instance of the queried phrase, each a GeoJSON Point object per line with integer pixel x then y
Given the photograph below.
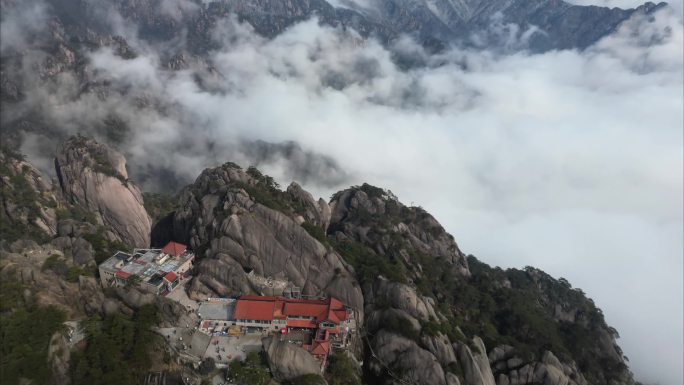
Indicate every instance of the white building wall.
{"type": "Point", "coordinates": [253, 324]}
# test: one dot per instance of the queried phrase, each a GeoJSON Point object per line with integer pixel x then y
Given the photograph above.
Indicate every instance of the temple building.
{"type": "Point", "coordinates": [157, 271]}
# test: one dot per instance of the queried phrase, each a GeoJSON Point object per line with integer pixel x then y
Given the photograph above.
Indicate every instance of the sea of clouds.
{"type": "Point", "coordinates": [568, 161]}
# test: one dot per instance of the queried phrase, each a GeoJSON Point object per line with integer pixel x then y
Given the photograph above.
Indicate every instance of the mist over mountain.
{"type": "Point", "coordinates": [539, 133]}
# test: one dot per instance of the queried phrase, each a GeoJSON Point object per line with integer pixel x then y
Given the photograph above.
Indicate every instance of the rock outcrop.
{"type": "Point", "coordinates": [404, 361]}
{"type": "Point", "coordinates": [288, 361]}
{"type": "Point", "coordinates": [28, 203]}
{"type": "Point", "coordinates": [26, 263]}
{"type": "Point", "coordinates": [93, 176]}
{"type": "Point", "coordinates": [310, 210]}
{"type": "Point", "coordinates": [394, 317]}
{"type": "Point", "coordinates": [548, 371]}
{"type": "Point", "coordinates": [384, 293]}
{"type": "Point", "coordinates": [226, 214]}
{"type": "Point", "coordinates": [475, 364]}
{"type": "Point", "coordinates": [59, 357]}
{"type": "Point", "coordinates": [71, 242]}
{"type": "Point", "coordinates": [377, 219]}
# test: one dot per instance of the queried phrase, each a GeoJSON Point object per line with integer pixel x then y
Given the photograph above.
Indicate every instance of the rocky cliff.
{"type": "Point", "coordinates": [432, 315]}
{"type": "Point", "coordinates": [28, 203]}
{"type": "Point", "coordinates": [56, 55]}
{"type": "Point", "coordinates": [429, 314]}
{"type": "Point", "coordinates": [242, 223]}
{"type": "Point", "coordinates": [94, 177]}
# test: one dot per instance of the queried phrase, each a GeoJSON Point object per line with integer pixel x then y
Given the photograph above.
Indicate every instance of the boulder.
{"type": "Point", "coordinates": [440, 346]}
{"type": "Point", "coordinates": [240, 232]}
{"type": "Point", "coordinates": [399, 296]}
{"type": "Point", "coordinates": [312, 211]}
{"type": "Point", "coordinates": [288, 361]}
{"type": "Point", "coordinates": [28, 200]}
{"type": "Point", "coordinates": [93, 176]}
{"type": "Point", "coordinates": [452, 379]}
{"type": "Point", "coordinates": [76, 248]}
{"type": "Point", "coordinates": [369, 215]}
{"type": "Point", "coordinates": [475, 365]}
{"type": "Point", "coordinates": [408, 362]}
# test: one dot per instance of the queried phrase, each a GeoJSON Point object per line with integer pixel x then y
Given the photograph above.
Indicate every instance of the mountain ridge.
{"type": "Point", "coordinates": [455, 319]}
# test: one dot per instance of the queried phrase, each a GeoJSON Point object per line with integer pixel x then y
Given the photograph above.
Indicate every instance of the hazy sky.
{"type": "Point", "coordinates": [568, 161]}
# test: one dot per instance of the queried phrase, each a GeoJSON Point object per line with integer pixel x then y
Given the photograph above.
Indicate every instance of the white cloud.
{"type": "Point", "coordinates": [569, 161]}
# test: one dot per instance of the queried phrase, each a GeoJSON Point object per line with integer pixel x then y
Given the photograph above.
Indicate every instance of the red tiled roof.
{"type": "Point", "coordinates": [306, 310]}
{"type": "Point", "coordinates": [278, 307]}
{"type": "Point", "coordinates": [122, 274]}
{"type": "Point", "coordinates": [301, 323]}
{"type": "Point", "coordinates": [254, 310]}
{"type": "Point", "coordinates": [320, 348]}
{"type": "Point", "coordinates": [171, 276]}
{"type": "Point", "coordinates": [258, 298]}
{"type": "Point", "coordinates": [174, 249]}
{"type": "Point", "coordinates": [278, 310]}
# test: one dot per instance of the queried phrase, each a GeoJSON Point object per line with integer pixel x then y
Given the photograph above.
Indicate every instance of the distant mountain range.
{"type": "Point", "coordinates": [435, 23]}
{"type": "Point", "coordinates": [64, 32]}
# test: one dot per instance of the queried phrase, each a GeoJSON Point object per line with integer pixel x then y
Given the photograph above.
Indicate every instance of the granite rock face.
{"type": "Point", "coordinates": [25, 262]}
{"type": "Point", "coordinates": [394, 317]}
{"type": "Point", "coordinates": [548, 371]}
{"type": "Point", "coordinates": [93, 176]}
{"type": "Point", "coordinates": [316, 212]}
{"type": "Point", "coordinates": [28, 201]}
{"type": "Point", "coordinates": [474, 363]}
{"type": "Point", "coordinates": [288, 361]}
{"type": "Point", "coordinates": [405, 360]}
{"type": "Point", "coordinates": [376, 218]}
{"type": "Point", "coordinates": [435, 23]}
{"type": "Point", "coordinates": [221, 215]}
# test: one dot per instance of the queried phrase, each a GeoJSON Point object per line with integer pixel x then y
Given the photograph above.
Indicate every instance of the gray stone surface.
{"type": "Point", "coordinates": [406, 360]}
{"type": "Point", "coordinates": [240, 233]}
{"type": "Point", "coordinates": [288, 361]}
{"type": "Point", "coordinates": [474, 363]}
{"type": "Point", "coordinates": [94, 177]}
{"type": "Point", "coordinates": [312, 211]}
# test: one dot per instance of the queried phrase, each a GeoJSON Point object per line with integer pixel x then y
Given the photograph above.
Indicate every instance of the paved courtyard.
{"type": "Point", "coordinates": [224, 349]}
{"type": "Point", "coordinates": [179, 294]}
{"type": "Point", "coordinates": [186, 340]}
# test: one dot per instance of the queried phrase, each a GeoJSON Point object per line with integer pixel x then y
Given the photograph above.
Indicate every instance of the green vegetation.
{"type": "Point", "coordinates": [368, 264]}
{"type": "Point", "coordinates": [118, 349]}
{"type": "Point", "coordinates": [401, 326]}
{"type": "Point", "coordinates": [16, 190]}
{"type": "Point", "coordinates": [102, 247]}
{"type": "Point", "coordinates": [133, 281]}
{"type": "Point", "coordinates": [265, 190]}
{"type": "Point", "coordinates": [513, 307]}
{"type": "Point", "coordinates": [316, 232]}
{"type": "Point", "coordinates": [372, 191]}
{"type": "Point", "coordinates": [253, 370]}
{"type": "Point", "coordinates": [55, 263]}
{"type": "Point", "coordinates": [307, 379]}
{"type": "Point", "coordinates": [99, 158]}
{"type": "Point", "coordinates": [74, 272]}
{"type": "Point", "coordinates": [522, 316]}
{"type": "Point", "coordinates": [341, 371]}
{"type": "Point", "coordinates": [232, 165]}
{"type": "Point", "coordinates": [159, 205]}
{"type": "Point", "coordinates": [25, 332]}
{"type": "Point", "coordinates": [77, 213]}
{"type": "Point", "coordinates": [266, 195]}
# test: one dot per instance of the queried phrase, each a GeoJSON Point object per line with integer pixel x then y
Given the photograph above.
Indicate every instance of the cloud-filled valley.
{"type": "Point", "coordinates": [570, 161]}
